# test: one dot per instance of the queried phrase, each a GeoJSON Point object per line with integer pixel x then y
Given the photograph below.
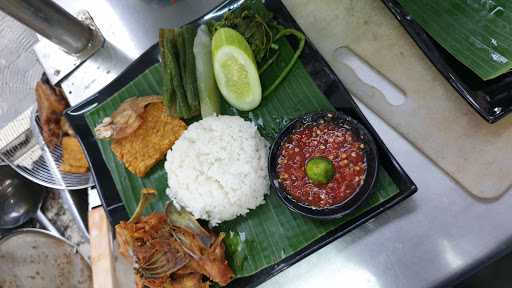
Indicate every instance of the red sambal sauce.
{"type": "Point", "coordinates": [328, 140]}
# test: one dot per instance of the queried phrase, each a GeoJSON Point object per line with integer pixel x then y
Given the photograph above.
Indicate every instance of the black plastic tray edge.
{"type": "Point", "coordinates": [425, 43]}
{"type": "Point", "coordinates": [116, 212]}
{"type": "Point", "coordinates": [269, 272]}
{"type": "Point", "coordinates": [76, 117]}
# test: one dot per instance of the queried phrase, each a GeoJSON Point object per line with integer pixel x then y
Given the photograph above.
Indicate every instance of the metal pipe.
{"type": "Point", "coordinates": [50, 21]}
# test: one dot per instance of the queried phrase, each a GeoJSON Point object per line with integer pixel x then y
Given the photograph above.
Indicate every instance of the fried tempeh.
{"type": "Point", "coordinates": [147, 145]}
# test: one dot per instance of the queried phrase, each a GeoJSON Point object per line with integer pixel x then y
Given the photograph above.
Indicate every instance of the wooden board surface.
{"type": "Point", "coordinates": [433, 117]}
{"type": "Point", "coordinates": [102, 261]}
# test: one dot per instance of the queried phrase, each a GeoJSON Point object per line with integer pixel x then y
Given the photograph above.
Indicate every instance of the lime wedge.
{"type": "Point", "coordinates": [320, 170]}
{"type": "Point", "coordinates": [235, 69]}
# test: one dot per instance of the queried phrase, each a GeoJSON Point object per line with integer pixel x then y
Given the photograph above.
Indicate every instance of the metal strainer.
{"type": "Point", "coordinates": [23, 148]}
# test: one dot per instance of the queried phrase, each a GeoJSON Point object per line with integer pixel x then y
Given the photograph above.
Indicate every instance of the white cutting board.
{"type": "Point", "coordinates": [433, 117]}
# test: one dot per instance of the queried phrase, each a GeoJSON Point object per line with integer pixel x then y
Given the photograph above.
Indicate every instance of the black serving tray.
{"type": "Point", "coordinates": [492, 99]}
{"type": "Point", "coordinates": [325, 79]}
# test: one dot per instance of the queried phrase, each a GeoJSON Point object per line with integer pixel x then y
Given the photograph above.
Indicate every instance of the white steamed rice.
{"type": "Point", "coordinates": [217, 169]}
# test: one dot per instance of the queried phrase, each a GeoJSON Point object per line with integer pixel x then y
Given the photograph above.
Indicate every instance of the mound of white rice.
{"type": "Point", "coordinates": [217, 169]}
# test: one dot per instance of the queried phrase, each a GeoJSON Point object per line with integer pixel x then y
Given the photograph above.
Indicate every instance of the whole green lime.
{"type": "Point", "coordinates": [320, 170]}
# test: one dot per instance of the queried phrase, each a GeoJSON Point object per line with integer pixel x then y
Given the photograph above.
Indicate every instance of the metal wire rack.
{"type": "Point", "coordinates": [23, 148]}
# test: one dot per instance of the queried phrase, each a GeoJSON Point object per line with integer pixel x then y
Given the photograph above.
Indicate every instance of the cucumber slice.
{"type": "Point", "coordinates": [235, 69]}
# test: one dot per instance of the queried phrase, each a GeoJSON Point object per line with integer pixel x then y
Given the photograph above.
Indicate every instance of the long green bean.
{"type": "Point", "coordinates": [189, 71]}
{"type": "Point", "coordinates": [170, 44]}
{"type": "Point", "coordinates": [168, 92]}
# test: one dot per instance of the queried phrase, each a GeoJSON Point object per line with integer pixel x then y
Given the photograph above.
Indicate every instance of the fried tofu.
{"type": "Point", "coordinates": [147, 145]}
{"type": "Point", "coordinates": [73, 158]}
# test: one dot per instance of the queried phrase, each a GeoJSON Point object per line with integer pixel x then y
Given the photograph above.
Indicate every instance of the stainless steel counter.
{"type": "Point", "coordinates": [432, 239]}
{"type": "Point", "coordinates": [129, 27]}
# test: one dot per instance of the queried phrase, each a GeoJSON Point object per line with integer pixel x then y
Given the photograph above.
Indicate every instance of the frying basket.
{"type": "Point", "coordinates": [22, 147]}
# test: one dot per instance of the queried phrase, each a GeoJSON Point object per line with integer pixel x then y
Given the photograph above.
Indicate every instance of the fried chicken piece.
{"type": "Point", "coordinates": [66, 128]}
{"type": "Point", "coordinates": [51, 103]}
{"type": "Point", "coordinates": [190, 280]}
{"type": "Point", "coordinates": [168, 256]}
{"type": "Point", "coordinates": [125, 231]}
{"type": "Point", "coordinates": [153, 249]}
{"type": "Point", "coordinates": [147, 145]}
{"type": "Point", "coordinates": [215, 263]}
{"type": "Point", "coordinates": [73, 158]}
{"type": "Point", "coordinates": [126, 119]}
{"type": "Point", "coordinates": [209, 261]}
{"type": "Point", "coordinates": [159, 258]}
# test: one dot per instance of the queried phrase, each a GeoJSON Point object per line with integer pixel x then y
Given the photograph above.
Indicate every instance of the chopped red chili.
{"type": "Point", "coordinates": [324, 139]}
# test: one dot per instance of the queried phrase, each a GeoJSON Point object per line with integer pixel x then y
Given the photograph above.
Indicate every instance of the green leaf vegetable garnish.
{"type": "Point", "coordinates": [262, 33]}
{"type": "Point", "coordinates": [286, 70]}
{"type": "Point", "coordinates": [253, 25]}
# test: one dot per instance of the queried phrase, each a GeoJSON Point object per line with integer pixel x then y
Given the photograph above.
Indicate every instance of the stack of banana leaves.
{"type": "Point", "coordinates": [476, 32]}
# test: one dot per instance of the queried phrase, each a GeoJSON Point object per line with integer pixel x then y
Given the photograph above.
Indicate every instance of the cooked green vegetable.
{"type": "Point", "coordinates": [169, 39]}
{"type": "Point", "coordinates": [180, 45]}
{"type": "Point", "coordinates": [253, 24]}
{"type": "Point", "coordinates": [168, 92]}
{"type": "Point", "coordinates": [286, 70]}
{"type": "Point", "coordinates": [262, 33]}
{"type": "Point", "coordinates": [186, 37]}
{"type": "Point", "coordinates": [209, 95]}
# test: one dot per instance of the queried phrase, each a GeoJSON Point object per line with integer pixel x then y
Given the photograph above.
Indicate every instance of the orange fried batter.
{"type": "Point", "coordinates": [73, 158]}
{"type": "Point", "coordinates": [142, 149]}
